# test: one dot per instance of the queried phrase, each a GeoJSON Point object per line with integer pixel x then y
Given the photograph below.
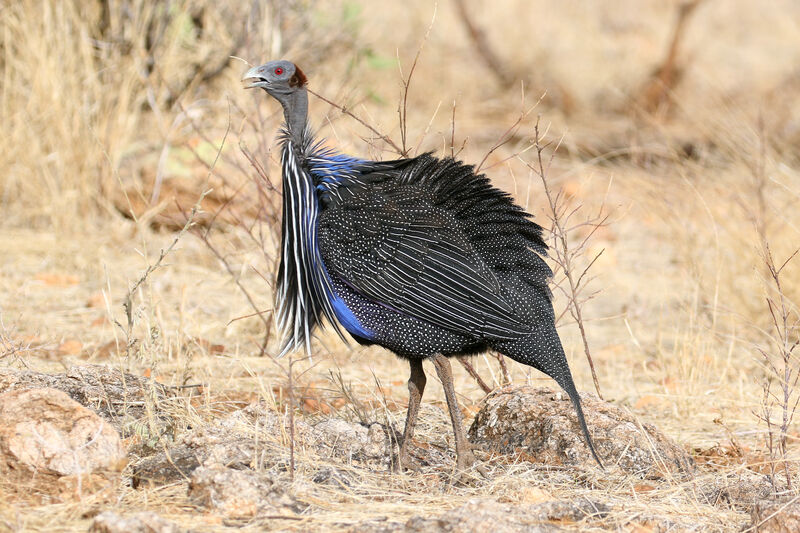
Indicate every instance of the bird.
{"type": "Point", "coordinates": [420, 255]}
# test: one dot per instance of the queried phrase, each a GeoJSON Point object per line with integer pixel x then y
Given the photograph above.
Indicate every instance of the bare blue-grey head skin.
{"type": "Point", "coordinates": [421, 256]}
{"type": "Point", "coordinates": [285, 82]}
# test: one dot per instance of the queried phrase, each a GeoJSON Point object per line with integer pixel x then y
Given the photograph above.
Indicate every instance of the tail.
{"type": "Point", "coordinates": [565, 380]}
{"type": "Point", "coordinates": [543, 351]}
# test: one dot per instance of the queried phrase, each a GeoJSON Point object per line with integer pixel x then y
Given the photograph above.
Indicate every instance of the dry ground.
{"type": "Point", "coordinates": [91, 126]}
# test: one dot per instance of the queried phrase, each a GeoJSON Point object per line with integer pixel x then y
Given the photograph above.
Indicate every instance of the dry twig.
{"type": "Point", "coordinates": [781, 361]}
{"type": "Point", "coordinates": [474, 374]}
{"type": "Point", "coordinates": [566, 254]}
{"type": "Point", "coordinates": [385, 138]}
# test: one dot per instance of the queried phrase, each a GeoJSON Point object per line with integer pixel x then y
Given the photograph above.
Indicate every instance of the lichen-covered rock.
{"type": "Point", "coordinates": [175, 464]}
{"type": "Point", "coordinates": [121, 399]}
{"type": "Point", "coordinates": [568, 510]}
{"type": "Point", "coordinates": [353, 442]}
{"type": "Point", "coordinates": [246, 438]}
{"type": "Point", "coordinates": [258, 436]}
{"type": "Point", "coordinates": [331, 437]}
{"type": "Point", "coordinates": [260, 419]}
{"type": "Point", "coordinates": [379, 525]}
{"type": "Point", "coordinates": [775, 517]}
{"type": "Point", "coordinates": [208, 445]}
{"type": "Point", "coordinates": [336, 477]}
{"type": "Point", "coordinates": [541, 426]}
{"type": "Point", "coordinates": [489, 516]}
{"type": "Point", "coordinates": [739, 489]}
{"type": "Point", "coordinates": [240, 493]}
{"type": "Point", "coordinates": [144, 522]}
{"type": "Point", "coordinates": [44, 430]}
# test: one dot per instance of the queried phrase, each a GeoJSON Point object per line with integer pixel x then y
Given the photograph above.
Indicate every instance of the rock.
{"type": "Point", "coordinates": [568, 510]}
{"type": "Point", "coordinates": [740, 489]}
{"type": "Point", "coordinates": [209, 445]}
{"type": "Point", "coordinates": [380, 525]}
{"type": "Point", "coordinates": [541, 426]}
{"type": "Point", "coordinates": [654, 523]}
{"type": "Point", "coordinates": [259, 418]}
{"type": "Point", "coordinates": [353, 442]}
{"type": "Point", "coordinates": [44, 430]}
{"type": "Point", "coordinates": [331, 437]}
{"type": "Point", "coordinates": [775, 517]}
{"type": "Point", "coordinates": [174, 464]}
{"type": "Point", "coordinates": [258, 436]}
{"type": "Point", "coordinates": [119, 398]}
{"type": "Point", "coordinates": [144, 522]}
{"type": "Point", "coordinates": [240, 493]}
{"type": "Point", "coordinates": [489, 516]}
{"type": "Point", "coordinates": [240, 440]}
{"type": "Point", "coordinates": [335, 477]}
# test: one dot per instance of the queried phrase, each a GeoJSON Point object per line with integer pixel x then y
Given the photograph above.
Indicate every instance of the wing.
{"type": "Point", "coordinates": [399, 249]}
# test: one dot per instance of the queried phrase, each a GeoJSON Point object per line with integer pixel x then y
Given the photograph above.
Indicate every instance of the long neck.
{"type": "Point", "coordinates": [295, 111]}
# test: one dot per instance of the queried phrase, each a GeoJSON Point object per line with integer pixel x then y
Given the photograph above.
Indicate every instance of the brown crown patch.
{"type": "Point", "coordinates": [299, 79]}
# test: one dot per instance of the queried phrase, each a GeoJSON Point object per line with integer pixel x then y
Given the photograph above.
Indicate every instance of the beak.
{"type": "Point", "coordinates": [253, 78]}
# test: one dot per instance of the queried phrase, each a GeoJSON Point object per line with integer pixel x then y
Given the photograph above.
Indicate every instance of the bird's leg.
{"type": "Point", "coordinates": [464, 456]}
{"type": "Point", "coordinates": [416, 386]}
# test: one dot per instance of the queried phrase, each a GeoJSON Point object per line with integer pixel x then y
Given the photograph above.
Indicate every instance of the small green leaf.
{"type": "Point", "coordinates": [379, 62]}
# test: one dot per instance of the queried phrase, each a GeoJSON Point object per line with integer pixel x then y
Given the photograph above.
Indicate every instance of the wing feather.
{"type": "Point", "coordinates": [400, 250]}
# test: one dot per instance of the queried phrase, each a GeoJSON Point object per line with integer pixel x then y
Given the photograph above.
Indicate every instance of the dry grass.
{"type": "Point", "coordinates": [103, 118]}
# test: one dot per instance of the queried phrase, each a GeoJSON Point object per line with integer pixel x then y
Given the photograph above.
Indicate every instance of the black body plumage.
{"type": "Point", "coordinates": [431, 241]}
{"type": "Point", "coordinates": [430, 258]}
{"type": "Point", "coordinates": [421, 256]}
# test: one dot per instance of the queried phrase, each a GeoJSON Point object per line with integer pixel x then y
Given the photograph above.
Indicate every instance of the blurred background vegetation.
{"type": "Point", "coordinates": [99, 96]}
{"type": "Point", "coordinates": [680, 120]}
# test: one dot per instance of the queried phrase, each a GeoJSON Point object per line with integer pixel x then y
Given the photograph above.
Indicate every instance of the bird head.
{"type": "Point", "coordinates": [279, 78]}
{"type": "Point", "coordinates": [284, 81]}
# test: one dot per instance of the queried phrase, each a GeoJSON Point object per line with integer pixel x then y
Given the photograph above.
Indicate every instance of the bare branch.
{"type": "Point", "coordinates": [403, 109]}
{"type": "Point", "coordinates": [344, 110]}
{"type": "Point", "coordinates": [564, 253]}
{"type": "Point", "coordinates": [471, 371]}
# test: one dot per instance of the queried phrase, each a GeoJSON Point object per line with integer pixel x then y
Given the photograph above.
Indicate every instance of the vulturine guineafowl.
{"type": "Point", "coordinates": [420, 256]}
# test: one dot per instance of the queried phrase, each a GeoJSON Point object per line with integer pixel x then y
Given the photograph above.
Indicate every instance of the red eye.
{"type": "Point", "coordinates": [278, 71]}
